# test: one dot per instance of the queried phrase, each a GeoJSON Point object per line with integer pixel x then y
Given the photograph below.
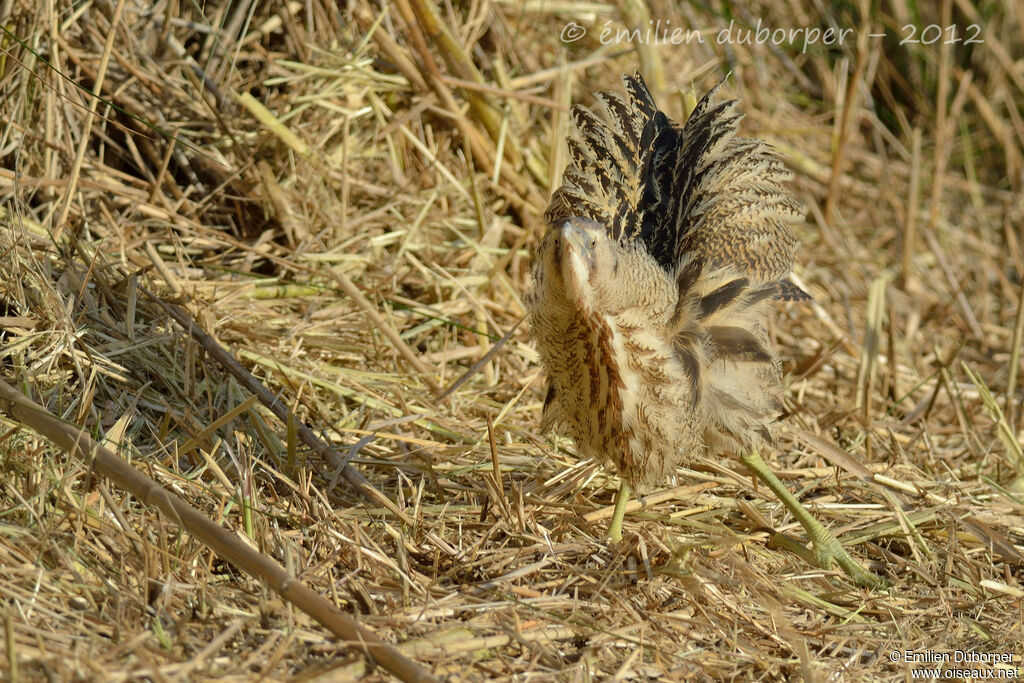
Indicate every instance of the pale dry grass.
{"type": "Point", "coordinates": [346, 200]}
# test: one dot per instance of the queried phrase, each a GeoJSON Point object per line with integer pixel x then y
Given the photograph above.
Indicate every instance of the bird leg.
{"type": "Point", "coordinates": [826, 547]}
{"type": "Point", "coordinates": [621, 498]}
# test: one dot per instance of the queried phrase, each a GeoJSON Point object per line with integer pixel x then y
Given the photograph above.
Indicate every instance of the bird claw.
{"type": "Point", "coordinates": [826, 554]}
{"type": "Point", "coordinates": [832, 552]}
{"type": "Point", "coordinates": [827, 548]}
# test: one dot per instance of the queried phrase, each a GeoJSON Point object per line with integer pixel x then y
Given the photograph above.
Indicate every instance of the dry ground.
{"type": "Point", "coordinates": [263, 164]}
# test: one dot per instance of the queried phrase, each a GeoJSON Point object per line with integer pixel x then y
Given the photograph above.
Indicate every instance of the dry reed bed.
{"type": "Point", "coordinates": [406, 154]}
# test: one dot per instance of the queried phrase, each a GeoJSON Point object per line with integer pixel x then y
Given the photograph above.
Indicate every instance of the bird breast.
{"type": "Point", "coordinates": [622, 394]}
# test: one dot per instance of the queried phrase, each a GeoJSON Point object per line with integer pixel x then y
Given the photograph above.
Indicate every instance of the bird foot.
{"type": "Point", "coordinates": [829, 550]}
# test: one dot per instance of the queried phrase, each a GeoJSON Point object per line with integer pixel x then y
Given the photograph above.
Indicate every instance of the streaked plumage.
{"type": "Point", "coordinates": [671, 356]}
{"type": "Point", "coordinates": [666, 246]}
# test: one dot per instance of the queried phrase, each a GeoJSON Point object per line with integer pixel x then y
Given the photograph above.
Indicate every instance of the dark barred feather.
{"type": "Point", "coordinates": [721, 198]}
{"type": "Point", "coordinates": [784, 290]}
{"type": "Point", "coordinates": [737, 344]}
{"type": "Point", "coordinates": [605, 180]}
{"type": "Point", "coordinates": [712, 211]}
{"type": "Point", "coordinates": [722, 297]}
{"type": "Point", "coordinates": [693, 193]}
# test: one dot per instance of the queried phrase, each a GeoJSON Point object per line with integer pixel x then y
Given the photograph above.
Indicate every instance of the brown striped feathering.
{"type": "Point", "coordinates": [651, 288]}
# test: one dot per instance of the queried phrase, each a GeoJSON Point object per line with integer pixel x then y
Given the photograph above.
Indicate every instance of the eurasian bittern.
{"type": "Point", "coordinates": [667, 245]}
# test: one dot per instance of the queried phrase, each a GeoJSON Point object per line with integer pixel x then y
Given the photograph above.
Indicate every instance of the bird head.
{"type": "Point", "coordinates": [579, 265]}
{"type": "Point", "coordinates": [579, 251]}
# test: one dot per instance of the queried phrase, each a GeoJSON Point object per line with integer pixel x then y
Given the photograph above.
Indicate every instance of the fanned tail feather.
{"type": "Point", "coordinates": [605, 177]}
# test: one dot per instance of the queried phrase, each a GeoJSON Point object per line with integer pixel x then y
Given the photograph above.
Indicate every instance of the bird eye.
{"type": "Point", "coordinates": [593, 242]}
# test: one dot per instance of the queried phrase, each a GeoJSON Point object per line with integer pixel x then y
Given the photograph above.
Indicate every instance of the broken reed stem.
{"type": "Point", "coordinates": [636, 15]}
{"type": "Point", "coordinates": [1011, 382]}
{"type": "Point", "coordinates": [868, 368]}
{"type": "Point", "coordinates": [396, 340]}
{"type": "Point", "coordinates": [848, 90]}
{"type": "Point", "coordinates": [84, 140]}
{"type": "Point", "coordinates": [181, 514]}
{"type": "Point", "coordinates": [941, 112]}
{"type": "Point", "coordinates": [910, 227]}
{"type": "Point", "coordinates": [274, 405]}
{"type": "Point", "coordinates": [459, 62]}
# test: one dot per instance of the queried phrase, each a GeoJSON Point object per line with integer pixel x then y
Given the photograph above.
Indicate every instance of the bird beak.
{"type": "Point", "coordinates": [576, 245]}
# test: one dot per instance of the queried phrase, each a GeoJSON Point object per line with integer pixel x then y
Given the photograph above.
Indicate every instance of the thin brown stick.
{"type": "Point", "coordinates": [83, 143]}
{"type": "Point", "coordinates": [910, 226]}
{"type": "Point", "coordinates": [353, 476]}
{"type": "Point", "coordinates": [1011, 381]}
{"type": "Point", "coordinates": [396, 340]}
{"type": "Point", "coordinates": [475, 367]}
{"type": "Point", "coordinates": [76, 442]}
